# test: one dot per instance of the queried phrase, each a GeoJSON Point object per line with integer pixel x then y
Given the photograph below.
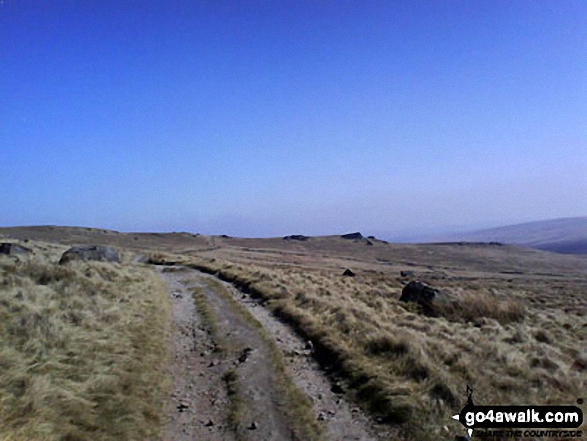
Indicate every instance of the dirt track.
{"type": "Point", "coordinates": [226, 386]}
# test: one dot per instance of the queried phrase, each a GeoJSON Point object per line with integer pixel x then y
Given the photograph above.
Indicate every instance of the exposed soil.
{"type": "Point", "coordinates": [198, 403]}
{"type": "Point", "coordinates": [201, 407]}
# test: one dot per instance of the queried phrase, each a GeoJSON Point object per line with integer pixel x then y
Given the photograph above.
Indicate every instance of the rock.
{"type": "Point", "coordinates": [348, 273]}
{"type": "Point", "coordinates": [209, 423]}
{"type": "Point", "coordinates": [12, 248]}
{"type": "Point", "coordinates": [369, 243]}
{"type": "Point", "coordinates": [371, 237]}
{"type": "Point", "coordinates": [407, 273]}
{"type": "Point", "coordinates": [336, 389]}
{"type": "Point", "coordinates": [245, 354]}
{"type": "Point", "coordinates": [296, 237]}
{"type": "Point", "coordinates": [253, 426]}
{"type": "Point", "coordinates": [351, 236]}
{"type": "Point", "coordinates": [90, 252]}
{"type": "Point", "coordinates": [182, 407]}
{"type": "Point", "coordinates": [422, 294]}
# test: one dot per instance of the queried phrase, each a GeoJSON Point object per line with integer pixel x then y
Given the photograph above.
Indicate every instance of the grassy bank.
{"type": "Point", "coordinates": [82, 349]}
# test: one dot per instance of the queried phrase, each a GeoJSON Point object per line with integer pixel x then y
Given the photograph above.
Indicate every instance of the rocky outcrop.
{"type": "Point", "coordinates": [296, 237]}
{"type": "Point", "coordinates": [91, 252]}
{"type": "Point", "coordinates": [13, 248]}
{"type": "Point", "coordinates": [351, 236]}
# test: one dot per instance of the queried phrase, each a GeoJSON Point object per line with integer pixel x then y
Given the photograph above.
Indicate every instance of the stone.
{"type": "Point", "coordinates": [337, 389]}
{"type": "Point", "coordinates": [351, 236]}
{"type": "Point", "coordinates": [407, 273]}
{"type": "Point", "coordinates": [348, 273]}
{"type": "Point", "coordinates": [299, 237]}
{"type": "Point", "coordinates": [244, 355]}
{"type": "Point", "coordinates": [421, 293]}
{"type": "Point", "coordinates": [90, 252]}
{"type": "Point", "coordinates": [13, 248]}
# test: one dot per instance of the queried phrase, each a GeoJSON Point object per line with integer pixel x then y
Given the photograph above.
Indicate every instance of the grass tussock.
{"type": "Point", "coordinates": [471, 307]}
{"type": "Point", "coordinates": [82, 350]}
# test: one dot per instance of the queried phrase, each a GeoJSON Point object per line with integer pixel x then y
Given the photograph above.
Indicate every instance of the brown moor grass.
{"type": "Point", "coordinates": [82, 349]}
{"type": "Point", "coordinates": [513, 343]}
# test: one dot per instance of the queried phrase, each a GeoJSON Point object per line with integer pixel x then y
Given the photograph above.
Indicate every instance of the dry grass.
{"type": "Point", "coordinates": [469, 307]}
{"type": "Point", "coordinates": [82, 349]}
{"type": "Point", "coordinates": [515, 343]}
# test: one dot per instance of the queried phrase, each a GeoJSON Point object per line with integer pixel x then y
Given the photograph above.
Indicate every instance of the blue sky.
{"type": "Point", "coordinates": [262, 118]}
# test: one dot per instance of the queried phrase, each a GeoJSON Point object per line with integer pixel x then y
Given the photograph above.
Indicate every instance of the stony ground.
{"type": "Point", "coordinates": [216, 343]}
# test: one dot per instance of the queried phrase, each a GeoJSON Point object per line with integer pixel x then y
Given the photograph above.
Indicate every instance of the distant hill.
{"type": "Point", "coordinates": [567, 236]}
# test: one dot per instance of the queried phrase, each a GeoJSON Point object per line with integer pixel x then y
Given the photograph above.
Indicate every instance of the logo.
{"type": "Point", "coordinates": [521, 417]}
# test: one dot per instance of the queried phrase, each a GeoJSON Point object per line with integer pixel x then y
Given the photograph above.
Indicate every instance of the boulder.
{"type": "Point", "coordinates": [296, 237]}
{"type": "Point", "coordinates": [13, 248]}
{"type": "Point", "coordinates": [352, 236]}
{"type": "Point", "coordinates": [425, 295]}
{"type": "Point", "coordinates": [90, 252]}
{"type": "Point", "coordinates": [348, 273]}
{"type": "Point", "coordinates": [407, 273]}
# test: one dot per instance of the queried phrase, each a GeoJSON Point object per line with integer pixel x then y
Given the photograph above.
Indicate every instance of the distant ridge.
{"type": "Point", "coordinates": [565, 235]}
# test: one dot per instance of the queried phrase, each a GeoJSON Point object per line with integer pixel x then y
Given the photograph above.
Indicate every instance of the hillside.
{"type": "Point", "coordinates": [522, 311]}
{"type": "Point", "coordinates": [567, 235]}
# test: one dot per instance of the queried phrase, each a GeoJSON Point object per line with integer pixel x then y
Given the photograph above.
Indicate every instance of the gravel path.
{"type": "Point", "coordinates": [200, 407]}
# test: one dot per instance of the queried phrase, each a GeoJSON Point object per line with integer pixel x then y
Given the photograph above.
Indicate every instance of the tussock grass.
{"type": "Point", "coordinates": [82, 349]}
{"type": "Point", "coordinates": [472, 307]}
{"type": "Point", "coordinates": [514, 343]}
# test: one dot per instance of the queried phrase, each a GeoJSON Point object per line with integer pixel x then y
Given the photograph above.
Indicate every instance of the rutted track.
{"type": "Point", "coordinates": [234, 348]}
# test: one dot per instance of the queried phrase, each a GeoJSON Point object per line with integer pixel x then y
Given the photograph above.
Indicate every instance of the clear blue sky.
{"type": "Point", "coordinates": [261, 118]}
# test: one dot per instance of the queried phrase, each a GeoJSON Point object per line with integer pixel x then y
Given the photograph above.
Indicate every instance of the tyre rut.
{"type": "Point", "coordinates": [243, 395]}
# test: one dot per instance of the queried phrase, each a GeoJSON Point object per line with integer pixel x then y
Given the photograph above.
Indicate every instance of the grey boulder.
{"type": "Point", "coordinates": [91, 252]}
{"type": "Point", "coordinates": [423, 294]}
